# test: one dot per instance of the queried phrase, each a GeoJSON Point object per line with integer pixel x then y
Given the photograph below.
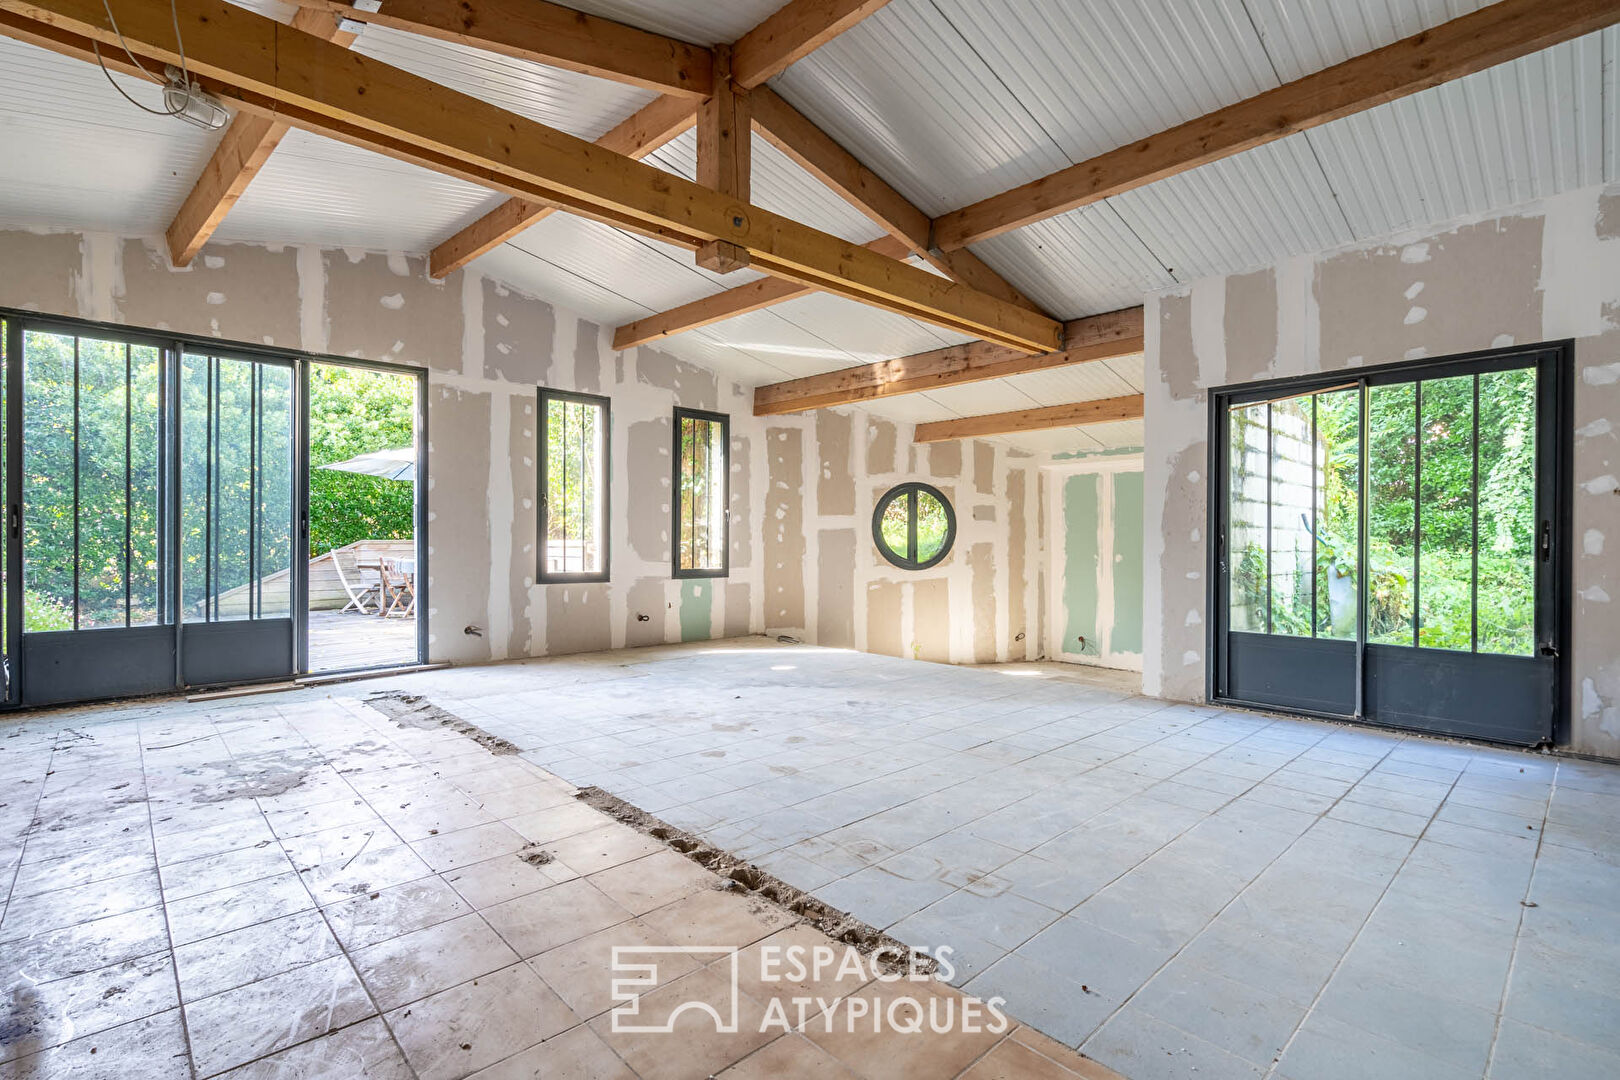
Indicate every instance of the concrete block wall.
{"type": "Point", "coordinates": [1546, 271]}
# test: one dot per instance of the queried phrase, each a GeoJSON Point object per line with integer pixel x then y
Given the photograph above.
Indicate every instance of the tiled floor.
{"type": "Point", "coordinates": [1169, 888]}
{"type": "Point", "coordinates": [296, 887]}
{"type": "Point", "coordinates": [1166, 887]}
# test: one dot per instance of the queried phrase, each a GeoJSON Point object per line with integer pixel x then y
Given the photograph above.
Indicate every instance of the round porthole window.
{"type": "Point", "coordinates": [914, 526]}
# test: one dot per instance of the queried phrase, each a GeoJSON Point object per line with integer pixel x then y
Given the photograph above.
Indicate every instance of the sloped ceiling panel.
{"type": "Point", "coordinates": [78, 155]}
{"type": "Point", "coordinates": [578, 104]}
{"type": "Point", "coordinates": [914, 101]}
{"type": "Point", "coordinates": [1133, 66]}
{"type": "Point", "coordinates": [864, 334]}
{"type": "Point", "coordinates": [1080, 263]}
{"type": "Point", "coordinates": [975, 399]}
{"type": "Point", "coordinates": [702, 23]}
{"type": "Point", "coordinates": [1248, 210]}
{"type": "Point", "coordinates": [1080, 382]}
{"type": "Point", "coordinates": [779, 185]}
{"type": "Point", "coordinates": [314, 190]}
{"type": "Point", "coordinates": [1302, 36]}
{"type": "Point", "coordinates": [1517, 132]}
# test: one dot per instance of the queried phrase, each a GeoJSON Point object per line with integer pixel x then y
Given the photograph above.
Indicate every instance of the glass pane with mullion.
{"type": "Point", "coordinates": [932, 526]}
{"type": "Point", "coordinates": [274, 509]}
{"type": "Point", "coordinates": [1446, 505]}
{"type": "Point", "coordinates": [1338, 527]}
{"type": "Point", "coordinates": [196, 453]}
{"type": "Point", "coordinates": [1507, 512]}
{"type": "Point", "coordinates": [103, 464]}
{"type": "Point", "coordinates": [235, 443]}
{"type": "Point", "coordinates": [592, 486]}
{"type": "Point", "coordinates": [1248, 462]}
{"type": "Point", "coordinates": [556, 494]}
{"type": "Point", "coordinates": [896, 526]}
{"type": "Point", "coordinates": [146, 511]}
{"type": "Point", "coordinates": [48, 459]}
{"type": "Point", "coordinates": [1292, 495]}
{"type": "Point", "coordinates": [1391, 512]}
{"type": "Point", "coordinates": [715, 508]}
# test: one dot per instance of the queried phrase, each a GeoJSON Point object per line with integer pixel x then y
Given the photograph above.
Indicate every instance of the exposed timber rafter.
{"type": "Point", "coordinates": [1494, 34]}
{"type": "Point", "coordinates": [1107, 410]}
{"type": "Point", "coordinates": [547, 33]}
{"type": "Point", "coordinates": [269, 68]}
{"type": "Point", "coordinates": [242, 151]}
{"type": "Point", "coordinates": [755, 296]}
{"type": "Point", "coordinates": [813, 150]}
{"type": "Point", "coordinates": [724, 157]}
{"type": "Point", "coordinates": [1098, 337]}
{"type": "Point", "coordinates": [789, 34]}
{"type": "Point", "coordinates": [654, 125]}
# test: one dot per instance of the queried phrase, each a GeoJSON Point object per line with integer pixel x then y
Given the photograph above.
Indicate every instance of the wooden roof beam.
{"type": "Point", "coordinates": [1105, 411]}
{"type": "Point", "coordinates": [551, 34]}
{"type": "Point", "coordinates": [654, 125]}
{"type": "Point", "coordinates": [791, 33]}
{"type": "Point", "coordinates": [724, 156]}
{"type": "Point", "coordinates": [1493, 35]}
{"type": "Point", "coordinates": [755, 296]}
{"type": "Point", "coordinates": [272, 69]}
{"type": "Point", "coordinates": [242, 151]}
{"type": "Point", "coordinates": [813, 150]}
{"type": "Point", "coordinates": [1099, 337]}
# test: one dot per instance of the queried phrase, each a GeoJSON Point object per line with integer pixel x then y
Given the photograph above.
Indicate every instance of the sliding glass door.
{"type": "Point", "coordinates": [149, 514]}
{"type": "Point", "coordinates": [89, 513]}
{"type": "Point", "coordinates": [1391, 548]}
{"type": "Point", "coordinates": [236, 518]}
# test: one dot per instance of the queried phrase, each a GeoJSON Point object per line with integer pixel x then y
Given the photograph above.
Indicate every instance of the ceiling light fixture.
{"type": "Point", "coordinates": [182, 98]}
{"type": "Point", "coordinates": [189, 102]}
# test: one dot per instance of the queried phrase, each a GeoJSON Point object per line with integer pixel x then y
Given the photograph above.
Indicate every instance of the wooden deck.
{"type": "Point", "coordinates": [339, 642]}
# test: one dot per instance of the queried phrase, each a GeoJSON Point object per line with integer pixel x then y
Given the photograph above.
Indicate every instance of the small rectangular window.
{"type": "Point", "coordinates": [702, 471]}
{"type": "Point", "coordinates": [574, 473]}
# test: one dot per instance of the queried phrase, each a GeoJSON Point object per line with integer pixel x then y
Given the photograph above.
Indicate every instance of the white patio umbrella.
{"type": "Point", "coordinates": [395, 463]}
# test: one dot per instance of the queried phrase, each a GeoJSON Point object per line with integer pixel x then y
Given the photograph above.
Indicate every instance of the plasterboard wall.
{"type": "Point", "coordinates": [485, 347]}
{"type": "Point", "coordinates": [825, 580]}
{"type": "Point", "coordinates": [1547, 271]}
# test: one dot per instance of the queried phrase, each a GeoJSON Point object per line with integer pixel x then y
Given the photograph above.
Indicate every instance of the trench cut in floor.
{"type": "Point", "coordinates": [312, 885]}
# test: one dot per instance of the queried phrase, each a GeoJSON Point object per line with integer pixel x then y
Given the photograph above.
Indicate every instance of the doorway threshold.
{"type": "Point", "coordinates": [328, 678]}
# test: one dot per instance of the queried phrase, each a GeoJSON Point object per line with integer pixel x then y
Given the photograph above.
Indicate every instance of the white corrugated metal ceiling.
{"type": "Point", "coordinates": [948, 100]}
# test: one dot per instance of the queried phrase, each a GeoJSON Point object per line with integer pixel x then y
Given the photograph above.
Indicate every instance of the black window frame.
{"type": "Point", "coordinates": [544, 396]}
{"type": "Point", "coordinates": [724, 420]}
{"type": "Point", "coordinates": [911, 490]}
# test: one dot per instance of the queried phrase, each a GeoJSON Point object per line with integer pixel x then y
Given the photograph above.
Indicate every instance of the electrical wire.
{"type": "Point", "coordinates": [185, 75]}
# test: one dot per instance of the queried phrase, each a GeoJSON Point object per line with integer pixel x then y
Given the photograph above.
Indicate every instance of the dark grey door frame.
{"type": "Point", "coordinates": [170, 636]}
{"type": "Point", "coordinates": [1378, 668]}
{"type": "Point", "coordinates": [301, 493]}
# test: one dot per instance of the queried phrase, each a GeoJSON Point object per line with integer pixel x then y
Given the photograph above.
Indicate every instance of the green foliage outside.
{"type": "Point", "coordinates": [354, 411]}
{"type": "Point", "coordinates": [932, 526]}
{"type": "Point", "coordinates": [703, 485]}
{"type": "Point", "coordinates": [116, 434]}
{"type": "Point", "coordinates": [574, 485]}
{"type": "Point", "coordinates": [1436, 563]}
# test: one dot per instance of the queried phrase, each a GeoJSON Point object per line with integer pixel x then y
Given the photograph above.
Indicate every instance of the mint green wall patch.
{"type": "Point", "coordinates": [1126, 635]}
{"type": "Point", "coordinates": [697, 609]}
{"type": "Point", "coordinates": [1080, 553]}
